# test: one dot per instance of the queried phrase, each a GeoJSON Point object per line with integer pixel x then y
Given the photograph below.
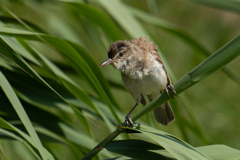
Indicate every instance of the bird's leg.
{"type": "Point", "coordinates": [128, 120]}
{"type": "Point", "coordinates": [170, 86]}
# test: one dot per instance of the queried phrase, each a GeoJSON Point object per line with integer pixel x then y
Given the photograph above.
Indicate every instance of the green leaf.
{"type": "Point", "coordinates": [22, 114]}
{"type": "Point", "coordinates": [138, 149]}
{"type": "Point", "coordinates": [69, 84]}
{"type": "Point", "coordinates": [7, 133]}
{"type": "Point", "coordinates": [124, 18]}
{"type": "Point", "coordinates": [10, 54]}
{"type": "Point", "coordinates": [72, 137]}
{"type": "Point", "coordinates": [220, 152]}
{"type": "Point", "coordinates": [6, 125]}
{"type": "Point", "coordinates": [120, 158]}
{"type": "Point", "coordinates": [99, 18]}
{"type": "Point", "coordinates": [48, 101]}
{"type": "Point", "coordinates": [175, 146]}
{"type": "Point", "coordinates": [21, 50]}
{"type": "Point", "coordinates": [108, 26]}
{"type": "Point", "coordinates": [48, 137]}
{"type": "Point", "coordinates": [11, 20]}
{"type": "Point", "coordinates": [78, 63]}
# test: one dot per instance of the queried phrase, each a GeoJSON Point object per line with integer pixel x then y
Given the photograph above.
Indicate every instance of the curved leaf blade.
{"type": "Point", "coordinates": [220, 152]}
{"type": "Point", "coordinates": [138, 149]}
{"type": "Point", "coordinates": [12, 135]}
{"type": "Point", "coordinates": [78, 63]}
{"type": "Point", "coordinates": [175, 146]}
{"type": "Point", "coordinates": [22, 114]}
{"type": "Point", "coordinates": [99, 18]}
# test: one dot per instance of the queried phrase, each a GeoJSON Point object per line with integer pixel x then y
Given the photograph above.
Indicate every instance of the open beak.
{"type": "Point", "coordinates": [108, 61]}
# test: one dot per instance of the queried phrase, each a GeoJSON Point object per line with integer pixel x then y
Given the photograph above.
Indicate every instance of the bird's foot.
{"type": "Point", "coordinates": [170, 86]}
{"type": "Point", "coordinates": [128, 122]}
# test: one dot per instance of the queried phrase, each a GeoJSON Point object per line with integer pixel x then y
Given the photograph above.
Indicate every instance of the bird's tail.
{"type": "Point", "coordinates": [164, 114]}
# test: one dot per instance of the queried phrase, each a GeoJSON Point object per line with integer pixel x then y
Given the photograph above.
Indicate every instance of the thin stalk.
{"type": "Point", "coordinates": [101, 145]}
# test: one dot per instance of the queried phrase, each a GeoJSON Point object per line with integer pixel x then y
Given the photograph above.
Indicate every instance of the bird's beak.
{"type": "Point", "coordinates": [108, 61]}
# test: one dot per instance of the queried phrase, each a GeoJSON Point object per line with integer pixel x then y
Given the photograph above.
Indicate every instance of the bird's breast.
{"type": "Point", "coordinates": [148, 80]}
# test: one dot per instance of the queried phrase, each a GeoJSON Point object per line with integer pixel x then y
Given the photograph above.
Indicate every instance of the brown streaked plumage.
{"type": "Point", "coordinates": [148, 46]}
{"type": "Point", "coordinates": [142, 72]}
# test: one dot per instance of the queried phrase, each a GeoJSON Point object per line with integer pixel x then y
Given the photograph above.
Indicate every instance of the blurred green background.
{"type": "Point", "coordinates": [186, 33]}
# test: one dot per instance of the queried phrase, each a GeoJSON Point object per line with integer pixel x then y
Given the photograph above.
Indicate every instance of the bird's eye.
{"type": "Point", "coordinates": [121, 54]}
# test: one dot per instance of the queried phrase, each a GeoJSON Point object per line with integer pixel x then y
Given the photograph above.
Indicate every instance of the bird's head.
{"type": "Point", "coordinates": [120, 54]}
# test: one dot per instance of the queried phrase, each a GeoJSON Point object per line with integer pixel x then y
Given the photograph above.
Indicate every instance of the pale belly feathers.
{"type": "Point", "coordinates": [148, 82]}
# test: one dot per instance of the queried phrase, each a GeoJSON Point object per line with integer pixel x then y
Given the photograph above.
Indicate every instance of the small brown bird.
{"type": "Point", "coordinates": [142, 72]}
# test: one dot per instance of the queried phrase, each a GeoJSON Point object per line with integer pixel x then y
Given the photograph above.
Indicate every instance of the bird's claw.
{"type": "Point", "coordinates": [128, 122]}
{"type": "Point", "coordinates": [170, 86]}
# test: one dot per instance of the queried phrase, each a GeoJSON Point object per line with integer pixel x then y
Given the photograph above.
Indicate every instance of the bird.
{"type": "Point", "coordinates": [143, 73]}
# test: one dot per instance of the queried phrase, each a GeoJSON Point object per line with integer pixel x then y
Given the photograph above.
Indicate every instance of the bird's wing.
{"type": "Point", "coordinates": [158, 58]}
{"type": "Point", "coordinates": [169, 84]}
